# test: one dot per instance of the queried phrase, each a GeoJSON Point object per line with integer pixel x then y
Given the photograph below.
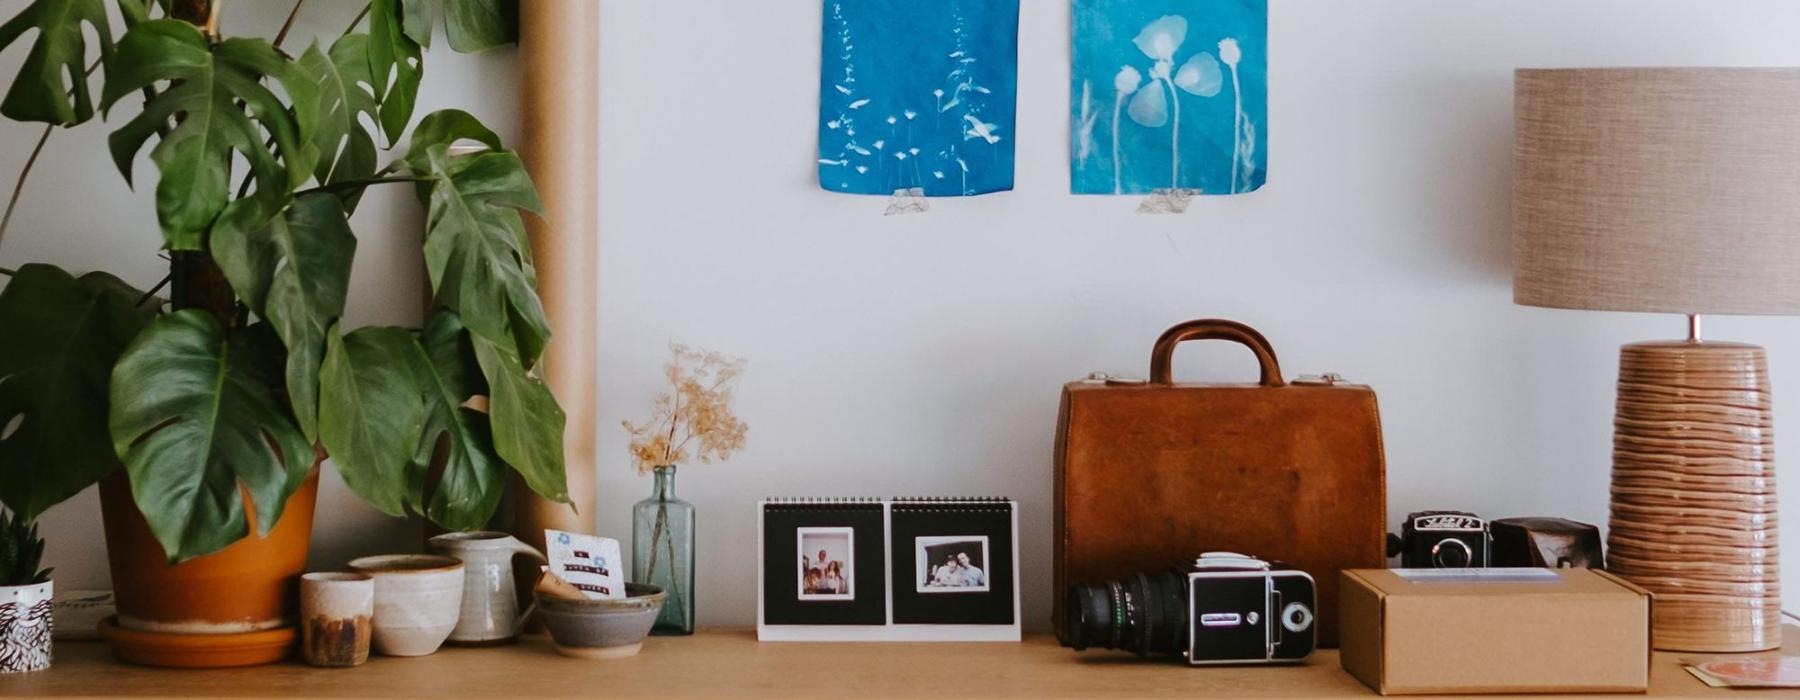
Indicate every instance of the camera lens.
{"type": "Point", "coordinates": [1451, 554]}
{"type": "Point", "coordinates": [1145, 614]}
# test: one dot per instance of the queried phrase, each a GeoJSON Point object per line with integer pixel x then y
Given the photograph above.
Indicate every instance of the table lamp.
{"type": "Point", "coordinates": [1673, 190]}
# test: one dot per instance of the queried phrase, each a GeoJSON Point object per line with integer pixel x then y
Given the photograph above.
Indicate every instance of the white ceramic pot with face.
{"type": "Point", "coordinates": [418, 598]}
{"type": "Point", "coordinates": [25, 627]}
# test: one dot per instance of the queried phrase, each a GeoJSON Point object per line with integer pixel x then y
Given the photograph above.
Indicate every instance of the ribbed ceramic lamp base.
{"type": "Point", "coordinates": [1693, 493]}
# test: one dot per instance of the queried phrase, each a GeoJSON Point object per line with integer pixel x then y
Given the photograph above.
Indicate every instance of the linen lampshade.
{"type": "Point", "coordinates": [1674, 190]}
{"type": "Point", "coordinates": [1657, 189]}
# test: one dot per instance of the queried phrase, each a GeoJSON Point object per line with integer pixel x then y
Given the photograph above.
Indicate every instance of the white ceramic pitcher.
{"type": "Point", "coordinates": [490, 602]}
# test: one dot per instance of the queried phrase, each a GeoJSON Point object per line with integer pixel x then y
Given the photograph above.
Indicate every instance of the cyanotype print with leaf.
{"type": "Point", "coordinates": [918, 94]}
{"type": "Point", "coordinates": [1168, 95]}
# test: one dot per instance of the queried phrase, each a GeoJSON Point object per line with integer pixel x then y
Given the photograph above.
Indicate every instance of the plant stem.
{"type": "Point", "coordinates": [1118, 106]}
{"type": "Point", "coordinates": [1237, 133]}
{"type": "Point", "coordinates": [656, 536]}
{"type": "Point", "coordinates": [1174, 138]}
{"type": "Point", "coordinates": [153, 290]}
{"type": "Point", "coordinates": [675, 581]}
{"type": "Point", "coordinates": [196, 281]}
{"type": "Point", "coordinates": [25, 172]}
{"type": "Point", "coordinates": [358, 20]}
{"type": "Point", "coordinates": [662, 536]}
{"type": "Point", "coordinates": [288, 25]}
{"type": "Point", "coordinates": [674, 420]}
{"type": "Point", "coordinates": [211, 28]}
{"type": "Point", "coordinates": [19, 187]}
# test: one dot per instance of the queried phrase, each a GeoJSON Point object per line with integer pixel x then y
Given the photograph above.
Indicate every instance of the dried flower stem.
{"type": "Point", "coordinates": [695, 413]}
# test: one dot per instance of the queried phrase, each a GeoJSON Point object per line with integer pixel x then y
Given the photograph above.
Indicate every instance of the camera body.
{"type": "Point", "coordinates": [1441, 539]}
{"type": "Point", "coordinates": [1244, 610]}
{"type": "Point", "coordinates": [1225, 609]}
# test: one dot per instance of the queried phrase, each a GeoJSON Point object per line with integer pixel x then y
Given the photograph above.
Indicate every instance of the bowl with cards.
{"type": "Point", "coordinates": [586, 604]}
{"type": "Point", "coordinates": [597, 628]}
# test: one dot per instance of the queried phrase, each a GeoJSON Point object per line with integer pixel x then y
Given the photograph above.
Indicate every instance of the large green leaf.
{"type": "Point", "coordinates": [392, 404]}
{"type": "Point", "coordinates": [63, 335]}
{"type": "Point", "coordinates": [527, 423]}
{"type": "Point", "coordinates": [52, 84]}
{"type": "Point", "coordinates": [473, 25]}
{"type": "Point", "coordinates": [415, 21]}
{"type": "Point", "coordinates": [440, 130]}
{"type": "Point", "coordinates": [395, 65]}
{"type": "Point", "coordinates": [135, 12]}
{"type": "Point", "coordinates": [371, 414]}
{"type": "Point", "coordinates": [475, 245]}
{"type": "Point", "coordinates": [294, 272]}
{"type": "Point", "coordinates": [346, 150]}
{"type": "Point", "coordinates": [473, 477]}
{"type": "Point", "coordinates": [194, 417]}
{"type": "Point", "coordinates": [219, 106]}
{"type": "Point", "coordinates": [479, 25]}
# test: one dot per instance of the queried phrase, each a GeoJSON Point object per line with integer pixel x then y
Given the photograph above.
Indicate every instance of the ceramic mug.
{"type": "Point", "coordinates": [25, 626]}
{"type": "Point", "coordinates": [417, 599]}
{"type": "Point", "coordinates": [335, 613]}
{"type": "Point", "coordinates": [490, 602]}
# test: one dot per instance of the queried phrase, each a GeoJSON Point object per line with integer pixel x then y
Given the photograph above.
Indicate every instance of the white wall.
{"type": "Point", "coordinates": [923, 354]}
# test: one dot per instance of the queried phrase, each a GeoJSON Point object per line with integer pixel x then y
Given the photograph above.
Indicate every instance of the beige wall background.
{"type": "Point", "coordinates": [923, 354]}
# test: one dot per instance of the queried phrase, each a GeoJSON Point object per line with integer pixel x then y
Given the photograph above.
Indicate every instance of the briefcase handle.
{"type": "Point", "coordinates": [1213, 329]}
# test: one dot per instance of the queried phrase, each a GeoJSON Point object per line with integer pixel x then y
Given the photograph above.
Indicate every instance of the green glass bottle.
{"type": "Point", "coordinates": [662, 553]}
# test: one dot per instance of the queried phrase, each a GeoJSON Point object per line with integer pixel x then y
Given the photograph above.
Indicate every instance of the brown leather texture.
{"type": "Point", "coordinates": [1150, 474]}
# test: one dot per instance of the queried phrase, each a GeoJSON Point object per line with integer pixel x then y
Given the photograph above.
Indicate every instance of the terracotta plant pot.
{"type": "Point", "coordinates": [250, 586]}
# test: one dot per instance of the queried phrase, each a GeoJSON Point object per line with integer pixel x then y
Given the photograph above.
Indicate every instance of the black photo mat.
{"type": "Point", "coordinates": [949, 529]}
{"type": "Point", "coordinates": [783, 603]}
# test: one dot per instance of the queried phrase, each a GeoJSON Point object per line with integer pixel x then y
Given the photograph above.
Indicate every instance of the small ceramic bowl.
{"type": "Point", "coordinates": [602, 629]}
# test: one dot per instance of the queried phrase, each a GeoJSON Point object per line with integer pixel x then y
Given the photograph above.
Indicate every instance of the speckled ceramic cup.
{"type": "Point", "coordinates": [418, 598]}
{"type": "Point", "coordinates": [335, 613]}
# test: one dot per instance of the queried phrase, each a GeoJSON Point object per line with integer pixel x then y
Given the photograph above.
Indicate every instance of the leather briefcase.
{"type": "Point", "coordinates": [1151, 473]}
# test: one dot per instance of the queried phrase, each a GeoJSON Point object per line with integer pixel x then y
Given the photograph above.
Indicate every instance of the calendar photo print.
{"type": "Point", "coordinates": [953, 563]}
{"type": "Point", "coordinates": [824, 564]}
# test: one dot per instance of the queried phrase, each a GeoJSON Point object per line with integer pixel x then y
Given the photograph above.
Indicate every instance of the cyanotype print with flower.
{"type": "Point", "coordinates": [1168, 95]}
{"type": "Point", "coordinates": [918, 94]}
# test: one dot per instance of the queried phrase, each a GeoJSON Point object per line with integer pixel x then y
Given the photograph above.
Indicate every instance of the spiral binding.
{"type": "Point", "coordinates": [909, 503]}
{"type": "Point", "coordinates": [949, 504]}
{"type": "Point", "coordinates": [817, 504]}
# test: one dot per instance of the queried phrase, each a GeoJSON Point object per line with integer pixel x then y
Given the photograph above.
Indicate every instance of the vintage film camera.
{"type": "Point", "coordinates": [1226, 609]}
{"type": "Point", "coordinates": [1441, 539]}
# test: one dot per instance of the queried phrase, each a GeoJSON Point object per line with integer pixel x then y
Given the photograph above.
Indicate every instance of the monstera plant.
{"type": "Point", "coordinates": [234, 385]}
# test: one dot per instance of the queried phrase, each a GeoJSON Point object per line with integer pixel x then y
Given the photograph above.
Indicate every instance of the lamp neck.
{"type": "Point", "coordinates": [1693, 328]}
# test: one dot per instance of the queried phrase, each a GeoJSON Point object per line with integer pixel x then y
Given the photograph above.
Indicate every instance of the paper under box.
{"type": "Point", "coordinates": [1414, 632]}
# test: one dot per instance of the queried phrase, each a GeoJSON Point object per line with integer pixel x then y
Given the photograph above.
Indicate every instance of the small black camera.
{"type": "Point", "coordinates": [1225, 609]}
{"type": "Point", "coordinates": [1441, 539]}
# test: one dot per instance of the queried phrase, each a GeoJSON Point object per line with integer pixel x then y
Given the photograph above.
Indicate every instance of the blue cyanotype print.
{"type": "Point", "coordinates": [918, 94]}
{"type": "Point", "coordinates": [1168, 95]}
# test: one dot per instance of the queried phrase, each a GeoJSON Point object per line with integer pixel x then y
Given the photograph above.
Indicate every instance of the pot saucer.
{"type": "Point", "coordinates": [197, 650]}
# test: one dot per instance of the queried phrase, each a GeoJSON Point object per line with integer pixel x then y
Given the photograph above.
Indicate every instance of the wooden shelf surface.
{"type": "Point", "coordinates": [731, 663]}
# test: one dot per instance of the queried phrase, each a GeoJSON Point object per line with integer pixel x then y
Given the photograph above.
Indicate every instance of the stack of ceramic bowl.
{"type": "Point", "coordinates": [1693, 494]}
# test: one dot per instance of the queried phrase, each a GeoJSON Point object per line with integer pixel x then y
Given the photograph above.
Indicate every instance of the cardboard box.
{"type": "Point", "coordinates": [1420, 631]}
